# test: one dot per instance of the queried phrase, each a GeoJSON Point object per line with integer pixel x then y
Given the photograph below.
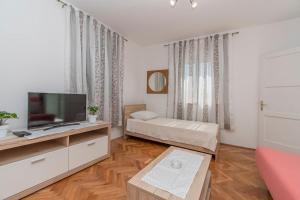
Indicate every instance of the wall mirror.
{"type": "Point", "coordinates": [157, 81]}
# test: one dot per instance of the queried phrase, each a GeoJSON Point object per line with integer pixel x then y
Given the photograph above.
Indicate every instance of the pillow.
{"type": "Point", "coordinates": [144, 115]}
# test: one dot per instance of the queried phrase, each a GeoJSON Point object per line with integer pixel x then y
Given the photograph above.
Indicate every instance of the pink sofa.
{"type": "Point", "coordinates": [280, 171]}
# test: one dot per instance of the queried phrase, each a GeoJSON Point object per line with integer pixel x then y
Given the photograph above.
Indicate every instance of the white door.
{"type": "Point", "coordinates": [279, 120]}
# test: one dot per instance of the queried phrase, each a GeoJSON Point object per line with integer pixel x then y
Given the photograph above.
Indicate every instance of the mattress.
{"type": "Point", "coordinates": [181, 131]}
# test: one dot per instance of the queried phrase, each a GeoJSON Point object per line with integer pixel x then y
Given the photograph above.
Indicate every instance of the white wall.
{"type": "Point", "coordinates": [32, 35]}
{"type": "Point", "coordinates": [155, 57]}
{"type": "Point", "coordinates": [133, 81]}
{"type": "Point", "coordinates": [32, 52]}
{"type": "Point", "coordinates": [248, 46]}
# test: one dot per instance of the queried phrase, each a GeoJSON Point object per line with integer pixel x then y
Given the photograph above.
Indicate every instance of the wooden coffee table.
{"type": "Point", "coordinates": [199, 190]}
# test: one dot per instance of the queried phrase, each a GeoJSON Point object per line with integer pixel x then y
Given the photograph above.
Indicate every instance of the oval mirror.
{"type": "Point", "coordinates": [157, 81]}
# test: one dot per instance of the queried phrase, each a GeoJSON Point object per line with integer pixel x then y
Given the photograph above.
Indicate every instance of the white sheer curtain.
{"type": "Point", "coordinates": [199, 87]}
{"type": "Point", "coordinates": [95, 64]}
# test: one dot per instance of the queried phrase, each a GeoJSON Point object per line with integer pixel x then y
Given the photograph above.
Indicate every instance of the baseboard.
{"type": "Point", "coordinates": [236, 146]}
{"type": "Point", "coordinates": [116, 132]}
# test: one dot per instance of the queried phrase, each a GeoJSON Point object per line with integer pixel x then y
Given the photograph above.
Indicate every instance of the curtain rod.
{"type": "Point", "coordinates": [65, 4]}
{"type": "Point", "coordinates": [205, 36]}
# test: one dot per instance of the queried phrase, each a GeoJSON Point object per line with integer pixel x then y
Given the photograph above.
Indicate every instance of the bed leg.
{"type": "Point", "coordinates": [125, 137]}
{"type": "Point", "coordinates": [213, 156]}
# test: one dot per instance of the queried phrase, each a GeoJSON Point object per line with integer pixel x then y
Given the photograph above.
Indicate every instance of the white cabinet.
{"type": "Point", "coordinates": [29, 165]}
{"type": "Point", "coordinates": [82, 153]}
{"type": "Point", "coordinates": [21, 175]}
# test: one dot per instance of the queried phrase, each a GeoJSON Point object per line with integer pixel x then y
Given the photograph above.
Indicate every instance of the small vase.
{"type": "Point", "coordinates": [3, 130]}
{"type": "Point", "coordinates": [92, 118]}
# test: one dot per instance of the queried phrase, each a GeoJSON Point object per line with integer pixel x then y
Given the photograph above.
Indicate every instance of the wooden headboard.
{"type": "Point", "coordinates": [128, 109]}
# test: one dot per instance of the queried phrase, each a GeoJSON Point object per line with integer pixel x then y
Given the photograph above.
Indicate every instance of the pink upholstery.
{"type": "Point", "coordinates": [280, 171]}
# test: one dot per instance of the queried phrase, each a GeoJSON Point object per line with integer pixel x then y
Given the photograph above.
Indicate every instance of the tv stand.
{"type": "Point", "coordinates": [61, 125]}
{"type": "Point", "coordinates": [28, 165]}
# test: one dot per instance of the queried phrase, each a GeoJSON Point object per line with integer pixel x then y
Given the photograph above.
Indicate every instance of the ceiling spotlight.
{"type": "Point", "coordinates": [173, 3]}
{"type": "Point", "coordinates": [194, 4]}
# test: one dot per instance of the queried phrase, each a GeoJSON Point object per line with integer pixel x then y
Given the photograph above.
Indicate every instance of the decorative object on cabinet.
{"type": "Point", "coordinates": [4, 116]}
{"type": "Point", "coordinates": [92, 113]}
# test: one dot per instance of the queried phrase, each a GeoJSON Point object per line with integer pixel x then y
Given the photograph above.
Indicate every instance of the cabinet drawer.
{"type": "Point", "coordinates": [21, 175]}
{"type": "Point", "coordinates": [85, 152]}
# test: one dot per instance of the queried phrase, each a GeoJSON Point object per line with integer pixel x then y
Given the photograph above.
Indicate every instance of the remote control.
{"type": "Point", "coordinates": [21, 133]}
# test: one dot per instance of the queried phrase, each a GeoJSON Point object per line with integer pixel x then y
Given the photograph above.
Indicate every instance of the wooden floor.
{"type": "Point", "coordinates": [235, 176]}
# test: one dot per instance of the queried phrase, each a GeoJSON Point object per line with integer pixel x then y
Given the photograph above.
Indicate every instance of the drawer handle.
{"type": "Point", "coordinates": [38, 160]}
{"type": "Point", "coordinates": [92, 143]}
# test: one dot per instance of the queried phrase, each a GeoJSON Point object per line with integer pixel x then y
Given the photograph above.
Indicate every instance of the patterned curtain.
{"type": "Point", "coordinates": [199, 81]}
{"type": "Point", "coordinates": [95, 64]}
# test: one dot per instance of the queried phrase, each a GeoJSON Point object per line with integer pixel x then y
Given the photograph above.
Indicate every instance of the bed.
{"type": "Point", "coordinates": [197, 136]}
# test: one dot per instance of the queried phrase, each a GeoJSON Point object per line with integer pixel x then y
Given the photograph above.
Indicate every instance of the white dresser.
{"type": "Point", "coordinates": [29, 165]}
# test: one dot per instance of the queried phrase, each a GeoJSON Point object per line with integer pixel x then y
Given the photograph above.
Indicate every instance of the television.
{"type": "Point", "coordinates": [53, 109]}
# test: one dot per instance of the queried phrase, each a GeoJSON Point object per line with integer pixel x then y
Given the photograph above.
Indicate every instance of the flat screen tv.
{"type": "Point", "coordinates": [52, 110]}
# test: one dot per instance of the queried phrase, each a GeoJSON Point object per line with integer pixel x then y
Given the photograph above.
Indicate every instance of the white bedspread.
{"type": "Point", "coordinates": [187, 132]}
{"type": "Point", "coordinates": [175, 181]}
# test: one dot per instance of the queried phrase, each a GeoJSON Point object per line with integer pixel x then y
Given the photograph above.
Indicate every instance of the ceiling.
{"type": "Point", "coordinates": [154, 21]}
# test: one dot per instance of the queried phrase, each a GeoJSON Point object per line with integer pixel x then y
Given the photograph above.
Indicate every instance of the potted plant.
{"type": "Point", "coordinates": [93, 113]}
{"type": "Point", "coordinates": [4, 116]}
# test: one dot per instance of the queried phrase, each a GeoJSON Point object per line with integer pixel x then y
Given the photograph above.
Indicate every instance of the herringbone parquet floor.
{"type": "Point", "coordinates": [235, 176]}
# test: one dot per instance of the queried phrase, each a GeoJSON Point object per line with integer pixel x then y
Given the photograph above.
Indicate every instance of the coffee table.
{"type": "Point", "coordinates": [200, 188]}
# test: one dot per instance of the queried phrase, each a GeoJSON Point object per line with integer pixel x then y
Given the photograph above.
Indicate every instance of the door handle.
{"type": "Point", "coordinates": [262, 105]}
{"type": "Point", "coordinates": [92, 143]}
{"type": "Point", "coordinates": [37, 160]}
